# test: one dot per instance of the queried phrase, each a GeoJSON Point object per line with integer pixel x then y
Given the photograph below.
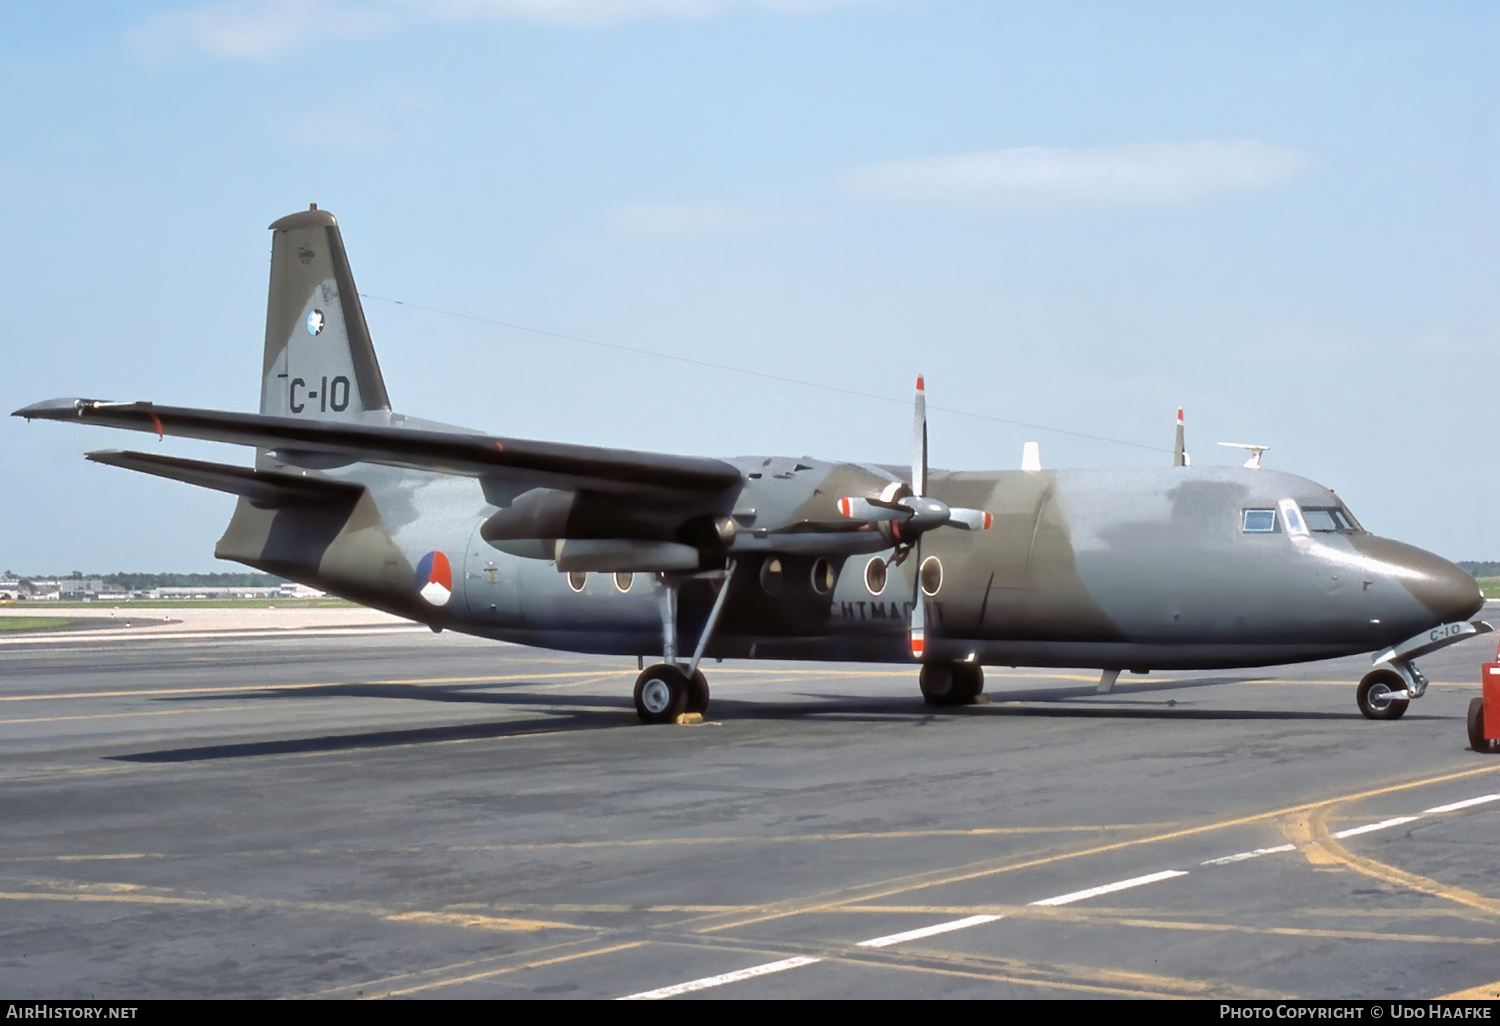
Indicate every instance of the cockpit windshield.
{"type": "Point", "coordinates": [1329, 519]}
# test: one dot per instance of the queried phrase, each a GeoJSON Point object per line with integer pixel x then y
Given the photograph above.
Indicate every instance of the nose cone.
{"type": "Point", "coordinates": [1442, 587]}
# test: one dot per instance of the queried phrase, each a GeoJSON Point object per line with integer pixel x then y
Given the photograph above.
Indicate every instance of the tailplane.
{"type": "Point", "coordinates": [319, 361]}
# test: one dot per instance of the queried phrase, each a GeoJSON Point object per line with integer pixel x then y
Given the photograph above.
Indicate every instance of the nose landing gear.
{"type": "Point", "coordinates": [1387, 690]}
{"type": "Point", "coordinates": [1377, 695]}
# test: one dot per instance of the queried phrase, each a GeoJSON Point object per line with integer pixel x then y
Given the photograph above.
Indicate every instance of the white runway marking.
{"type": "Point", "coordinates": [1370, 827]}
{"type": "Point", "coordinates": [1461, 805]}
{"type": "Point", "coordinates": [1356, 831]}
{"type": "Point", "coordinates": [927, 931]}
{"type": "Point", "coordinates": [1094, 892]}
{"type": "Point", "coordinates": [1242, 856]}
{"type": "Point", "coordinates": [720, 980]}
{"type": "Point", "coordinates": [708, 982]}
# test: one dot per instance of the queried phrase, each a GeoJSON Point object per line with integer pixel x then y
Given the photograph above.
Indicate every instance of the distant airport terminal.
{"type": "Point", "coordinates": [79, 588]}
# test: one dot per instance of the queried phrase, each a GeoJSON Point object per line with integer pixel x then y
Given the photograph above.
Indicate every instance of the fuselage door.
{"type": "Point", "coordinates": [490, 583]}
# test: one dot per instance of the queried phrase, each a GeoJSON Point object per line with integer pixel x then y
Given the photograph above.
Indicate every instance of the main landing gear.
{"type": "Point", "coordinates": [951, 683]}
{"type": "Point", "coordinates": [669, 690]}
{"type": "Point", "coordinates": [664, 692]}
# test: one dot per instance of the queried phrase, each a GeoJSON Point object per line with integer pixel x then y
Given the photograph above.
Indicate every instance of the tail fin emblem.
{"type": "Point", "coordinates": [315, 322]}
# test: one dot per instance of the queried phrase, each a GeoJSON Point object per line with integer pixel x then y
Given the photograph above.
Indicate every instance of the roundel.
{"type": "Point", "coordinates": [435, 579]}
{"type": "Point", "coordinates": [315, 322]}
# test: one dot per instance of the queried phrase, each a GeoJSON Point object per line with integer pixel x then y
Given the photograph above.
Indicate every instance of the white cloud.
{"type": "Point", "coordinates": [681, 219]}
{"type": "Point", "coordinates": [1106, 176]}
{"type": "Point", "coordinates": [261, 29]}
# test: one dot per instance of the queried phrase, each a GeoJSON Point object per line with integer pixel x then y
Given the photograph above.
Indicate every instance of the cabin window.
{"type": "Point", "coordinates": [931, 575]}
{"type": "Point", "coordinates": [875, 575]}
{"type": "Point", "coordinates": [577, 579]}
{"type": "Point", "coordinates": [824, 577]}
{"type": "Point", "coordinates": [1328, 518]}
{"type": "Point", "coordinates": [623, 581]}
{"type": "Point", "coordinates": [1259, 521]}
{"type": "Point", "coordinates": [771, 576]}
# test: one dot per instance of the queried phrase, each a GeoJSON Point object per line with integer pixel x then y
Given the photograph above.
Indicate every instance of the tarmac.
{"type": "Point", "coordinates": [329, 803]}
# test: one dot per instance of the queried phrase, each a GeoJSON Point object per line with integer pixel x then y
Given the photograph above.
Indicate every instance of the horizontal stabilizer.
{"type": "Point", "coordinates": [552, 464]}
{"type": "Point", "coordinates": [265, 488]}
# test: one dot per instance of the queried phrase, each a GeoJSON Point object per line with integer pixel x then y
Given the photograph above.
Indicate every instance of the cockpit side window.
{"type": "Point", "coordinates": [1258, 521]}
{"type": "Point", "coordinates": [1291, 516]}
{"type": "Point", "coordinates": [1328, 518]}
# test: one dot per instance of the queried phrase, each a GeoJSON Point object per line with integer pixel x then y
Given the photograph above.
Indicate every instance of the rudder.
{"type": "Point", "coordinates": [319, 359]}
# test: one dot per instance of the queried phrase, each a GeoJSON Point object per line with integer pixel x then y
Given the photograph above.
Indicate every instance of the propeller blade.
{"type": "Point", "coordinates": [970, 519]}
{"type": "Point", "coordinates": [872, 509]}
{"type": "Point", "coordinates": [918, 613]}
{"type": "Point", "coordinates": [919, 443]}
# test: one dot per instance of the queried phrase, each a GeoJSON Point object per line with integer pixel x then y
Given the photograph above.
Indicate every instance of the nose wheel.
{"type": "Point", "coordinates": [1377, 695]}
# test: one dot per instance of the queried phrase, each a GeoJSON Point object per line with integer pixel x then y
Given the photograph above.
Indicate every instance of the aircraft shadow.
{"type": "Point", "coordinates": [584, 712]}
{"type": "Point", "coordinates": [578, 720]}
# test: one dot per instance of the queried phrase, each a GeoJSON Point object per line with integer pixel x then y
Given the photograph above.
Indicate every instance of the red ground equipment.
{"type": "Point", "coordinates": [1484, 712]}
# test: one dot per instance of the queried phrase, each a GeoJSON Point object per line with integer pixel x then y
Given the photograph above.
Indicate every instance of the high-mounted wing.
{"type": "Point", "coordinates": [536, 464]}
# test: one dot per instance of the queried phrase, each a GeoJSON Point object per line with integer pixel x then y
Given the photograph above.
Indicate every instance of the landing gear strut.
{"type": "Point", "coordinates": [951, 683]}
{"type": "Point", "coordinates": [667, 690]}
{"type": "Point", "coordinates": [1388, 689]}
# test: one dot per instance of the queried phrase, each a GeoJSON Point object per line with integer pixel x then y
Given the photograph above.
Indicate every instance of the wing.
{"type": "Point", "coordinates": [266, 489]}
{"type": "Point", "coordinates": [531, 463]}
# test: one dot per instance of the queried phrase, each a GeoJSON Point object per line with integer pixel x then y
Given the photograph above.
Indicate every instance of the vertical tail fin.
{"type": "Point", "coordinates": [319, 360]}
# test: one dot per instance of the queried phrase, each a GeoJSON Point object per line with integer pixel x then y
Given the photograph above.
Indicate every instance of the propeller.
{"type": "Point", "coordinates": [906, 512]}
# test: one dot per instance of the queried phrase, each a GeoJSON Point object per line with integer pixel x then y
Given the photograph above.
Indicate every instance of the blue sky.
{"type": "Point", "coordinates": [1280, 216]}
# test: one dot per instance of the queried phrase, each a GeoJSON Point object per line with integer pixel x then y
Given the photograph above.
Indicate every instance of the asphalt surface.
{"type": "Point", "coordinates": [378, 812]}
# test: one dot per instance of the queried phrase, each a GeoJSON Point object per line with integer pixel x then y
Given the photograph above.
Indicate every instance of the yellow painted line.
{"type": "Point", "coordinates": [796, 838]}
{"type": "Point", "coordinates": [1115, 918]}
{"type": "Point", "coordinates": [472, 921]}
{"type": "Point", "coordinates": [1090, 977]}
{"type": "Point", "coordinates": [491, 678]}
{"type": "Point", "coordinates": [1307, 835]}
{"type": "Point", "coordinates": [633, 909]}
{"type": "Point", "coordinates": [1487, 991]}
{"type": "Point", "coordinates": [1043, 982]}
{"type": "Point", "coordinates": [138, 899]}
{"type": "Point", "coordinates": [921, 881]}
{"type": "Point", "coordinates": [113, 716]}
{"type": "Point", "coordinates": [1349, 682]}
{"type": "Point", "coordinates": [1337, 853]}
{"type": "Point", "coordinates": [454, 981]}
{"type": "Point", "coordinates": [93, 858]}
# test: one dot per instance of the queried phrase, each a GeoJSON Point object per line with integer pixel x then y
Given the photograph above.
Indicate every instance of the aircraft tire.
{"type": "Point", "coordinates": [951, 683]}
{"type": "Point", "coordinates": [697, 700]}
{"type": "Point", "coordinates": [661, 694]}
{"type": "Point", "coordinates": [1477, 740]}
{"type": "Point", "coordinates": [1371, 693]}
